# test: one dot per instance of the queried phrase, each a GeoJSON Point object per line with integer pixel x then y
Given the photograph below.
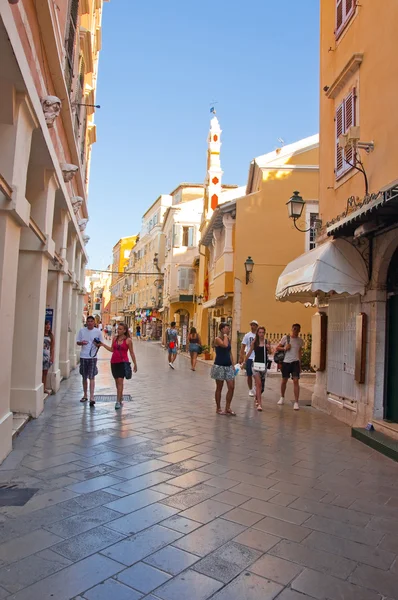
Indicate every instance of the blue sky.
{"type": "Point", "coordinates": [162, 64]}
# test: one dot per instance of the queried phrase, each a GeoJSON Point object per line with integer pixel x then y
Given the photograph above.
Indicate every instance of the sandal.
{"type": "Point", "coordinates": [231, 413]}
{"type": "Point", "coordinates": [84, 399]}
{"type": "Point", "coordinates": [259, 408]}
{"type": "Point", "coordinates": [219, 411]}
{"type": "Point", "coordinates": [92, 403]}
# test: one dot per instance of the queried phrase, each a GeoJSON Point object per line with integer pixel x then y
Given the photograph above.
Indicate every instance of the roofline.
{"type": "Point", "coordinates": [126, 237]}
{"type": "Point", "coordinates": [153, 204]}
{"type": "Point", "coordinates": [186, 184]}
{"type": "Point", "coordinates": [221, 209]}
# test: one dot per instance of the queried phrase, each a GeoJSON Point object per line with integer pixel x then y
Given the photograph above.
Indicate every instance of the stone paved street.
{"type": "Point", "coordinates": [167, 500]}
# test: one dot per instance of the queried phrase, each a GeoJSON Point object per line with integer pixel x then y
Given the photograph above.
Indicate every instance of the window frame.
{"type": "Point", "coordinates": [350, 100]}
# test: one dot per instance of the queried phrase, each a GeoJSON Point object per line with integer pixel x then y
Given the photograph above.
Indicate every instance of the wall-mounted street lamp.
{"type": "Point", "coordinates": [199, 299]}
{"type": "Point", "coordinates": [153, 301]}
{"type": "Point", "coordinates": [249, 264]}
{"type": "Point", "coordinates": [295, 208]}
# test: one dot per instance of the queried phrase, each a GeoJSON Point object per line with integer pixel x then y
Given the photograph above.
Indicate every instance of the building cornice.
{"type": "Point", "coordinates": [345, 75]}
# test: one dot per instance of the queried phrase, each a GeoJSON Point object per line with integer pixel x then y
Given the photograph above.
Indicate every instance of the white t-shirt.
{"type": "Point", "coordinates": [293, 354]}
{"type": "Point", "coordinates": [88, 335]}
{"type": "Point", "coordinates": [248, 340]}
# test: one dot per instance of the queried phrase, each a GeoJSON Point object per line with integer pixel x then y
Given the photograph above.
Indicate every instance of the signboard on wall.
{"type": "Point", "coordinates": [50, 315]}
{"type": "Point", "coordinates": [184, 335]}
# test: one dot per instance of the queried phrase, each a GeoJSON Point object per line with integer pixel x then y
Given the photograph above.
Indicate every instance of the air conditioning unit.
{"type": "Point", "coordinates": [354, 133]}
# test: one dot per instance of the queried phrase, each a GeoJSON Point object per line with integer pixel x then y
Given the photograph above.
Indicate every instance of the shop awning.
{"type": "Point", "coordinates": [219, 301]}
{"type": "Point", "coordinates": [333, 267]}
{"type": "Point", "coordinates": [160, 310]}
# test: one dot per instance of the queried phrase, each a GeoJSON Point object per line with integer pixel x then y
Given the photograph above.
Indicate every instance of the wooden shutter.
{"type": "Point", "coordinates": [177, 235]}
{"type": "Point", "coordinates": [339, 15]}
{"type": "Point", "coordinates": [349, 121]}
{"type": "Point", "coordinates": [70, 40]}
{"type": "Point", "coordinates": [349, 9]}
{"type": "Point", "coordinates": [182, 279]}
{"type": "Point", "coordinates": [190, 236]}
{"type": "Point", "coordinates": [339, 121]}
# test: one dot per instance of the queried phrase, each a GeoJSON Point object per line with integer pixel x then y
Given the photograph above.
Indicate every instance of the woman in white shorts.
{"type": "Point", "coordinates": [260, 348]}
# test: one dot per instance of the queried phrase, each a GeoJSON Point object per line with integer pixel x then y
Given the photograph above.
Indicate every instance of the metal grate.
{"type": "Point", "coordinates": [112, 398]}
{"type": "Point", "coordinates": [10, 495]}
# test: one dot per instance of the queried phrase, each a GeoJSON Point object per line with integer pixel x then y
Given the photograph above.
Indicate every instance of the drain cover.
{"type": "Point", "coordinates": [13, 496]}
{"type": "Point", "coordinates": [111, 398]}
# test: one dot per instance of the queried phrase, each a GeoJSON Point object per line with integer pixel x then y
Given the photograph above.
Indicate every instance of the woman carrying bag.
{"type": "Point", "coordinates": [260, 348]}
{"type": "Point", "coordinates": [195, 347]}
{"type": "Point", "coordinates": [120, 365]}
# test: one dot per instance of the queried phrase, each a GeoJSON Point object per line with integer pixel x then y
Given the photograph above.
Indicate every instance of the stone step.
{"type": "Point", "coordinates": [377, 440]}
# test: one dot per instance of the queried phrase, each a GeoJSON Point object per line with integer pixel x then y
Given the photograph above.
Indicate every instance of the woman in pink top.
{"type": "Point", "coordinates": [121, 345]}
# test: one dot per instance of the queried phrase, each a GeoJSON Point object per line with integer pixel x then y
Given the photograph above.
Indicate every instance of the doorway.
{"type": "Point", "coordinates": [391, 389]}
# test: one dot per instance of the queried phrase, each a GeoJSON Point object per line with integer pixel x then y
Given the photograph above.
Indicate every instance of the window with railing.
{"type": "Point", "coordinates": [70, 42]}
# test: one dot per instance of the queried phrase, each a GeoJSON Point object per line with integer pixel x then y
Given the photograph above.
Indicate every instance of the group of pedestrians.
{"type": "Point", "coordinates": [90, 339]}
{"type": "Point", "coordinates": [254, 356]}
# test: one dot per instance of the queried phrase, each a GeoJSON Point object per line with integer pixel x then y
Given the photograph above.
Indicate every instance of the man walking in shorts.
{"type": "Point", "coordinates": [88, 356]}
{"type": "Point", "coordinates": [291, 366]}
{"type": "Point", "coordinates": [246, 343]}
{"type": "Point", "coordinates": [172, 343]}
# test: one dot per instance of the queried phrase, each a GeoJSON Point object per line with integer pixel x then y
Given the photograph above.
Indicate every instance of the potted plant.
{"type": "Point", "coordinates": [206, 352]}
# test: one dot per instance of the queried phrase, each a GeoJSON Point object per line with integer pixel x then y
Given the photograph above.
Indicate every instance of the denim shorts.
{"type": "Point", "coordinates": [249, 367]}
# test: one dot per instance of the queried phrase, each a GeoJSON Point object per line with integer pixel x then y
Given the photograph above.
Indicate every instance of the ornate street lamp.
{"type": "Point", "coordinates": [295, 208]}
{"type": "Point", "coordinates": [249, 264]}
{"type": "Point", "coordinates": [199, 299]}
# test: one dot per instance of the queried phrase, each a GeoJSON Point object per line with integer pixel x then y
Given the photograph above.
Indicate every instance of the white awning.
{"type": "Point", "coordinates": [209, 303]}
{"type": "Point", "coordinates": [335, 266]}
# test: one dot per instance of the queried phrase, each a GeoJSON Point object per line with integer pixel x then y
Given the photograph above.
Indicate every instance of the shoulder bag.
{"type": "Point", "coordinates": [259, 366]}
{"type": "Point", "coordinates": [280, 354]}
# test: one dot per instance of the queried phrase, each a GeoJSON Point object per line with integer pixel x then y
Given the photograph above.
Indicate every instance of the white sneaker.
{"type": "Point", "coordinates": [117, 405]}
{"type": "Point", "coordinates": [251, 393]}
{"type": "Point", "coordinates": [296, 406]}
{"type": "Point", "coordinates": [171, 365]}
{"type": "Point", "coordinates": [281, 401]}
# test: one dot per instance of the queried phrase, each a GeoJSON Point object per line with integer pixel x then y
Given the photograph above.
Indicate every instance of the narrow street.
{"type": "Point", "coordinates": [167, 500]}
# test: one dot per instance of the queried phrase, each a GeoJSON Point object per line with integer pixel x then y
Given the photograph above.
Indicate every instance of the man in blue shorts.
{"type": "Point", "coordinates": [246, 343]}
{"type": "Point", "coordinates": [172, 343]}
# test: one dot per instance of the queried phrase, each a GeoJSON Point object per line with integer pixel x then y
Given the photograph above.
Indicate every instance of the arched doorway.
{"type": "Point", "coordinates": [391, 385]}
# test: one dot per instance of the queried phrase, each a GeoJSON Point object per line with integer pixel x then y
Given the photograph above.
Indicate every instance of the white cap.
{"type": "Point", "coordinates": [254, 321]}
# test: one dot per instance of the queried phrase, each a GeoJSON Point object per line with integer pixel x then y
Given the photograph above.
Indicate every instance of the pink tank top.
{"type": "Point", "coordinates": [119, 352]}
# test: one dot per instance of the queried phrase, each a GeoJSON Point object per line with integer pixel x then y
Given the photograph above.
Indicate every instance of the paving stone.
{"type": "Point", "coordinates": [172, 560]}
{"type": "Point", "coordinates": [244, 517]}
{"type": "Point", "coordinates": [358, 552]}
{"type": "Point", "coordinates": [94, 499]}
{"type": "Point", "coordinates": [250, 479]}
{"type": "Point", "coordinates": [143, 577]}
{"type": "Point", "coordinates": [213, 469]}
{"type": "Point", "coordinates": [91, 472]}
{"type": "Point", "coordinates": [272, 510]}
{"type": "Point", "coordinates": [289, 531]}
{"type": "Point", "coordinates": [227, 562]}
{"type": "Point", "coordinates": [142, 482]}
{"type": "Point", "coordinates": [87, 543]}
{"type": "Point", "coordinates": [209, 537]}
{"type": "Point", "coordinates": [345, 515]}
{"type": "Point", "coordinates": [206, 511]}
{"type": "Point", "coordinates": [283, 499]}
{"type": "Point", "coordinates": [25, 545]}
{"type": "Point", "coordinates": [27, 571]}
{"type": "Point", "coordinates": [276, 569]}
{"type": "Point", "coordinates": [141, 519]}
{"type": "Point", "coordinates": [221, 482]}
{"type": "Point", "coordinates": [140, 469]}
{"type": "Point", "coordinates": [143, 544]}
{"type": "Point", "coordinates": [249, 586]}
{"type": "Point", "coordinates": [390, 543]}
{"type": "Point", "coordinates": [79, 524]}
{"type": "Point", "coordinates": [55, 461]}
{"type": "Point", "coordinates": [189, 584]}
{"type": "Point", "coordinates": [315, 559]}
{"type": "Point", "coordinates": [350, 532]}
{"type": "Point", "coordinates": [112, 590]}
{"type": "Point", "coordinates": [257, 539]}
{"type": "Point", "coordinates": [289, 594]}
{"type": "Point", "coordinates": [71, 581]}
{"type": "Point", "coordinates": [179, 468]}
{"type": "Point", "coordinates": [181, 524]}
{"type": "Point", "coordinates": [166, 489]}
{"type": "Point", "coordinates": [190, 497]}
{"type": "Point", "coordinates": [376, 579]}
{"type": "Point", "coordinates": [232, 498]}
{"type": "Point", "coordinates": [92, 485]}
{"type": "Point", "coordinates": [189, 479]}
{"type": "Point", "coordinates": [321, 586]}
{"type": "Point", "coordinates": [135, 501]}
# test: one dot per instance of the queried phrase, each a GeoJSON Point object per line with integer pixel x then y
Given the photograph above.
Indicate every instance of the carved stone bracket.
{"type": "Point", "coordinates": [82, 224]}
{"type": "Point", "coordinates": [51, 106]}
{"type": "Point", "coordinates": [77, 201]}
{"type": "Point", "coordinates": [86, 239]}
{"type": "Point", "coordinates": [68, 171]}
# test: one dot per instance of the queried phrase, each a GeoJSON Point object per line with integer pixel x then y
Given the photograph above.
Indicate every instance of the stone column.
{"type": "Point", "coordinates": [17, 122]}
{"type": "Point", "coordinates": [27, 391]}
{"type": "Point", "coordinates": [75, 315]}
{"type": "Point", "coordinates": [64, 360]}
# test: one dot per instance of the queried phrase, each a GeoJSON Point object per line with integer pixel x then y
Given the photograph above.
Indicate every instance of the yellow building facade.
{"type": "Point", "coordinates": [358, 196]}
{"type": "Point", "coordinates": [121, 256]}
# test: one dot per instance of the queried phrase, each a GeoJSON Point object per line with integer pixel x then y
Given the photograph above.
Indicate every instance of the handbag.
{"type": "Point", "coordinates": [171, 345]}
{"type": "Point", "coordinates": [128, 372]}
{"type": "Point", "coordinates": [200, 349]}
{"type": "Point", "coordinates": [280, 354]}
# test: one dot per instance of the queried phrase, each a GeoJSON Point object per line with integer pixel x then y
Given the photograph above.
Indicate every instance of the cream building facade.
{"type": "Point", "coordinates": [44, 169]}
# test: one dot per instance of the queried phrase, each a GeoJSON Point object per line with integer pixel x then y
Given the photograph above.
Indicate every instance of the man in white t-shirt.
{"type": "Point", "coordinates": [88, 356]}
{"type": "Point", "coordinates": [246, 343]}
{"type": "Point", "coordinates": [291, 366]}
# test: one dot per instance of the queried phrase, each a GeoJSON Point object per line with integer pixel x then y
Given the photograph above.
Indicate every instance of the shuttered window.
{"type": "Point", "coordinates": [345, 9]}
{"type": "Point", "coordinates": [70, 41]}
{"type": "Point", "coordinates": [188, 236]}
{"type": "Point", "coordinates": [344, 119]}
{"type": "Point", "coordinates": [186, 277]}
{"type": "Point", "coordinates": [177, 235]}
